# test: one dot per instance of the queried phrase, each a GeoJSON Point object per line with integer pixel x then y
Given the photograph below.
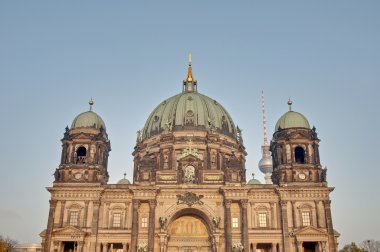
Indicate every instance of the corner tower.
{"type": "Point", "coordinates": [85, 148]}
{"type": "Point", "coordinates": [295, 151]}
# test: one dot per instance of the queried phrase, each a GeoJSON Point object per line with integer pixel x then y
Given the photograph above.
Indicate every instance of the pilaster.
{"type": "Point", "coordinates": [244, 223]}
{"type": "Point", "coordinates": [227, 233]}
{"type": "Point", "coordinates": [49, 230]}
{"type": "Point", "coordinates": [152, 207]}
{"type": "Point", "coordinates": [135, 223]}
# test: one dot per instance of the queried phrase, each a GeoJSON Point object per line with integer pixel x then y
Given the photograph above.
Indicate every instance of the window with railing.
{"type": "Point", "coordinates": [74, 218]}
{"type": "Point", "coordinates": [116, 220]}
{"type": "Point", "coordinates": [263, 220]}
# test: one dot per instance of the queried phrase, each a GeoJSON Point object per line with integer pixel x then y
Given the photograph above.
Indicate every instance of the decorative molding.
{"type": "Point", "coordinates": [189, 199]}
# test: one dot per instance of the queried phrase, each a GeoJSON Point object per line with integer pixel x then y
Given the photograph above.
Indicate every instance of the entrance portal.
{"type": "Point", "coordinates": [309, 247]}
{"type": "Point", "coordinates": [188, 234]}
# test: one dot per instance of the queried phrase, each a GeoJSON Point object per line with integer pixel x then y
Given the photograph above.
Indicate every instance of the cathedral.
{"type": "Point", "coordinates": [189, 191]}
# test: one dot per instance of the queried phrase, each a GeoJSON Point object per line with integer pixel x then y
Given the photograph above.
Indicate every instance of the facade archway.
{"type": "Point", "coordinates": [189, 230]}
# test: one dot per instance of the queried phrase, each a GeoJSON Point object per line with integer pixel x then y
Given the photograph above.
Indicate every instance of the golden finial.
{"type": "Point", "coordinates": [290, 104]}
{"type": "Point", "coordinates": [91, 102]}
{"type": "Point", "coordinates": [190, 77]}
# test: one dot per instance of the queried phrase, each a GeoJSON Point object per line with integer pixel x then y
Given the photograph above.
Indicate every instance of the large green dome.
{"type": "Point", "coordinates": [292, 119]}
{"type": "Point", "coordinates": [188, 110]}
{"type": "Point", "coordinates": [88, 119]}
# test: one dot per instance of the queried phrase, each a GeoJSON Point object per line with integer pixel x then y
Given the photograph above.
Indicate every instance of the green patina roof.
{"type": "Point", "coordinates": [253, 181]}
{"type": "Point", "coordinates": [177, 109]}
{"type": "Point", "coordinates": [292, 119]}
{"type": "Point", "coordinates": [123, 181]}
{"type": "Point", "coordinates": [88, 119]}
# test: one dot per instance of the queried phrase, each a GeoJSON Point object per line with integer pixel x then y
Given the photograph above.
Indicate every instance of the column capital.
{"type": "Point", "coordinates": [152, 203]}
{"type": "Point", "coordinates": [136, 203]}
{"type": "Point", "coordinates": [283, 203]}
{"type": "Point", "coordinates": [53, 203]}
{"type": "Point", "coordinates": [227, 203]}
{"type": "Point", "coordinates": [327, 202]}
{"type": "Point", "coordinates": [244, 203]}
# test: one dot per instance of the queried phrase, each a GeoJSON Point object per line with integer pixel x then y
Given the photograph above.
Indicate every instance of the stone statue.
{"type": "Point", "coordinates": [216, 221]}
{"type": "Point", "coordinates": [324, 174]}
{"type": "Point", "coordinates": [139, 136]}
{"type": "Point", "coordinates": [239, 134]}
{"type": "Point", "coordinates": [168, 126]}
{"type": "Point", "coordinates": [142, 246]}
{"type": "Point", "coordinates": [189, 175]}
{"type": "Point", "coordinates": [163, 221]}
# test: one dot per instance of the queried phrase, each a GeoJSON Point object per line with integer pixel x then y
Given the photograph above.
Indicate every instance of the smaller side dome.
{"type": "Point", "coordinates": [88, 119]}
{"type": "Point", "coordinates": [124, 181]}
{"type": "Point", "coordinates": [292, 119]}
{"type": "Point", "coordinates": [253, 181]}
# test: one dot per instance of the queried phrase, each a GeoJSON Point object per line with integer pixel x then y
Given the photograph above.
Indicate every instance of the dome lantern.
{"type": "Point", "coordinates": [189, 84]}
{"type": "Point", "coordinates": [88, 119]}
{"type": "Point", "coordinates": [292, 119]}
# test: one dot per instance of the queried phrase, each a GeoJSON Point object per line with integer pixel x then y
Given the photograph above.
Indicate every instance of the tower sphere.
{"type": "Point", "coordinates": [292, 119]}
{"type": "Point", "coordinates": [88, 119]}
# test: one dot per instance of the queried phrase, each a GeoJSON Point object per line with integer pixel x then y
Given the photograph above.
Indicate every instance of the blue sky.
{"type": "Point", "coordinates": [130, 56]}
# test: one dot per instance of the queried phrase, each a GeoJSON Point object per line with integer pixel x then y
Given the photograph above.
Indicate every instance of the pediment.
{"type": "Point", "coordinates": [299, 135]}
{"type": "Point", "coordinates": [190, 157]}
{"type": "Point", "coordinates": [69, 230]}
{"type": "Point", "coordinates": [310, 231]}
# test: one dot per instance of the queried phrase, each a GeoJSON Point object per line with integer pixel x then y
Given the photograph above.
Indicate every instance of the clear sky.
{"type": "Point", "coordinates": [130, 56]}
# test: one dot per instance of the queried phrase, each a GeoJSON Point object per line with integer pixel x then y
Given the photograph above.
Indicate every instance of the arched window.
{"type": "Point", "coordinates": [299, 154]}
{"type": "Point", "coordinates": [81, 155]}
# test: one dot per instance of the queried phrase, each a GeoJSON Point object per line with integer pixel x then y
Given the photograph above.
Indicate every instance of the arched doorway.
{"type": "Point", "coordinates": [188, 233]}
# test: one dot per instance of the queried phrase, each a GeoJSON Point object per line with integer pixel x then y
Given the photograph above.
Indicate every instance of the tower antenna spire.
{"type": "Point", "coordinates": [264, 118]}
{"type": "Point", "coordinates": [91, 102]}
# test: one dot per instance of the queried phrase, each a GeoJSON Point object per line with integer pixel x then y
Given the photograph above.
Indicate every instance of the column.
{"type": "Point", "coordinates": [284, 226]}
{"type": "Point", "coordinates": [111, 247]}
{"type": "Point", "coordinates": [63, 203]}
{"type": "Point", "coordinates": [294, 215]}
{"type": "Point", "coordinates": [80, 246]}
{"type": "Point", "coordinates": [280, 247]}
{"type": "Point", "coordinates": [273, 216]}
{"type": "Point", "coordinates": [317, 213]}
{"type": "Point", "coordinates": [227, 233]}
{"type": "Point", "coordinates": [330, 229]}
{"type": "Point", "coordinates": [254, 247]}
{"type": "Point", "coordinates": [124, 247]}
{"type": "Point", "coordinates": [299, 246]}
{"type": "Point", "coordinates": [49, 229]}
{"type": "Point", "coordinates": [126, 215]}
{"type": "Point", "coordinates": [95, 217]}
{"type": "Point", "coordinates": [244, 223]}
{"type": "Point", "coordinates": [152, 207]}
{"type": "Point", "coordinates": [85, 213]}
{"type": "Point", "coordinates": [135, 223]}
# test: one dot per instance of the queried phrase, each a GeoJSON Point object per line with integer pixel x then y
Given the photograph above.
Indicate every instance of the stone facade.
{"type": "Point", "coordinates": [189, 193]}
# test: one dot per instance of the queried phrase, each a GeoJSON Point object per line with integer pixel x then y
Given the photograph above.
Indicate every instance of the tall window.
{"type": "Point", "coordinates": [144, 222]}
{"type": "Point", "coordinates": [117, 220]}
{"type": "Point", "coordinates": [235, 222]}
{"type": "Point", "coordinates": [262, 220]}
{"type": "Point", "coordinates": [306, 219]}
{"type": "Point", "coordinates": [299, 154]}
{"type": "Point", "coordinates": [74, 216]}
{"type": "Point", "coordinates": [81, 155]}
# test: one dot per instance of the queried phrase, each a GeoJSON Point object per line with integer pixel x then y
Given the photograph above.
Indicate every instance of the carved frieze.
{"type": "Point", "coordinates": [189, 199]}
